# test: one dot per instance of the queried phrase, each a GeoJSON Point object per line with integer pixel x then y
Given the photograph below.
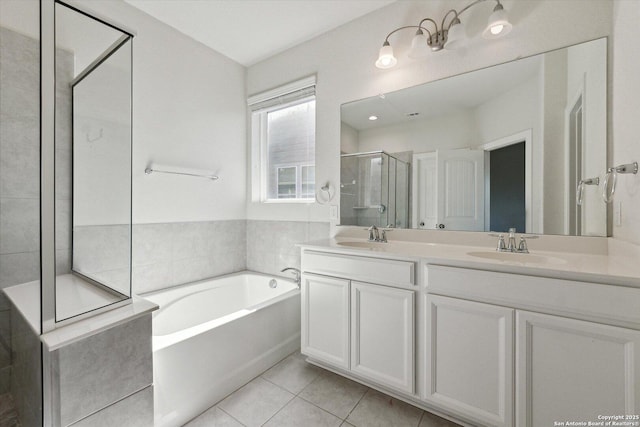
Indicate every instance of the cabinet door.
{"type": "Point", "coordinates": [325, 319]}
{"type": "Point", "coordinates": [469, 366]}
{"type": "Point", "coordinates": [382, 335]}
{"type": "Point", "coordinates": [574, 370]}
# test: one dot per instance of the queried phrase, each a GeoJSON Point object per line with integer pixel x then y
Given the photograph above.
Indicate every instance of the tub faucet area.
{"type": "Point", "coordinates": [295, 272]}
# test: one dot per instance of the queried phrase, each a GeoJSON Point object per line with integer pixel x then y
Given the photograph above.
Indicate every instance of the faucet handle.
{"type": "Point", "coordinates": [296, 273]}
{"type": "Point", "coordinates": [383, 236]}
{"type": "Point", "coordinates": [522, 246]}
{"type": "Point", "coordinates": [502, 246]}
{"type": "Point", "coordinates": [374, 236]}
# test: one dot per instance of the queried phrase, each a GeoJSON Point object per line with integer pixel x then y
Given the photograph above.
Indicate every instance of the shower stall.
{"type": "Point", "coordinates": [374, 190]}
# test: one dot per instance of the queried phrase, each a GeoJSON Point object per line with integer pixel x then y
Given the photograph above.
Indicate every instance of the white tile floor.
{"type": "Point", "coordinates": [294, 393]}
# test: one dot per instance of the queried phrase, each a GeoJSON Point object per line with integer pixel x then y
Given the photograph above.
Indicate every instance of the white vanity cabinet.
{"type": "Point", "coordinates": [469, 359]}
{"type": "Point", "coordinates": [358, 315]}
{"type": "Point", "coordinates": [574, 370]}
{"type": "Point", "coordinates": [382, 323]}
{"type": "Point", "coordinates": [325, 319]}
{"type": "Point", "coordinates": [573, 360]}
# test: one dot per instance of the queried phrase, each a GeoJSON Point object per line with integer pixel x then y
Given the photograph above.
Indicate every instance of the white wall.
{"type": "Point", "coordinates": [587, 73]}
{"type": "Point", "coordinates": [626, 104]}
{"type": "Point", "coordinates": [189, 111]}
{"type": "Point", "coordinates": [343, 61]}
{"type": "Point", "coordinates": [450, 131]}
{"type": "Point", "coordinates": [348, 138]}
{"type": "Point", "coordinates": [554, 86]}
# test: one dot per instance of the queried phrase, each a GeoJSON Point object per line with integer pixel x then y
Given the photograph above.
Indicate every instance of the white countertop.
{"type": "Point", "coordinates": [618, 265]}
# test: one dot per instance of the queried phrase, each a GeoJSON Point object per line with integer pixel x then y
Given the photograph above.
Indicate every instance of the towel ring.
{"type": "Point", "coordinates": [325, 194]}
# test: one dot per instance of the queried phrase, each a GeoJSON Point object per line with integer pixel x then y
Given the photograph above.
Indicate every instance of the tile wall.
{"type": "Point", "coordinates": [19, 175]}
{"type": "Point", "coordinates": [170, 254]}
{"type": "Point", "coordinates": [271, 245]}
{"type": "Point", "coordinates": [26, 381]}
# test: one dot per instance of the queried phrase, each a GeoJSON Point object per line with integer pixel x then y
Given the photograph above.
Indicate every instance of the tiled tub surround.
{"type": "Point", "coordinates": [26, 380]}
{"type": "Point", "coordinates": [213, 336]}
{"type": "Point", "coordinates": [271, 245]}
{"type": "Point", "coordinates": [124, 357]}
{"type": "Point", "coordinates": [91, 372]}
{"type": "Point", "coordinates": [170, 254]}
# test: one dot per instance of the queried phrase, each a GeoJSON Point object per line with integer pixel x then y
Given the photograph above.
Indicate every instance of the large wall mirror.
{"type": "Point", "coordinates": [93, 163]}
{"type": "Point", "coordinates": [493, 149]}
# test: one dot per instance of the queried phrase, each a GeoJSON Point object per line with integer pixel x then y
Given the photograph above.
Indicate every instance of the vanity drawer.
{"type": "Point", "coordinates": [617, 305]}
{"type": "Point", "coordinates": [364, 269]}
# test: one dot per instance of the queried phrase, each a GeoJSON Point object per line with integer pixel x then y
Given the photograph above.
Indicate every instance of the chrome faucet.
{"type": "Point", "coordinates": [296, 274]}
{"type": "Point", "coordinates": [374, 235]}
{"type": "Point", "coordinates": [377, 234]}
{"type": "Point", "coordinates": [511, 246]}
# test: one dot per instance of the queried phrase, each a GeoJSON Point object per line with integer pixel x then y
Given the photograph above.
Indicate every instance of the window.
{"type": "Point", "coordinates": [283, 143]}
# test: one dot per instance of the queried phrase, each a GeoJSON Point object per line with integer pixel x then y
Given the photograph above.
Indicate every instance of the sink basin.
{"type": "Point", "coordinates": [365, 245]}
{"type": "Point", "coordinates": [518, 258]}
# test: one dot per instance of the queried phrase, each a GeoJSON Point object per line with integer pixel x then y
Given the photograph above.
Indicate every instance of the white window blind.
{"type": "Point", "coordinates": [286, 94]}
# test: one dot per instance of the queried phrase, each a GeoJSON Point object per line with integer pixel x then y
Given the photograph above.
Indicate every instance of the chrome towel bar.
{"type": "Point", "coordinates": [149, 171]}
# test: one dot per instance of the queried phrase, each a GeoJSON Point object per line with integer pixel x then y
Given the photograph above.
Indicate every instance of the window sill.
{"type": "Point", "coordinates": [287, 201]}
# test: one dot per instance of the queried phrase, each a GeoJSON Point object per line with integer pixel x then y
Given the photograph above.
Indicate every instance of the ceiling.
{"type": "Point", "coordinates": [249, 31]}
{"type": "Point", "coordinates": [455, 94]}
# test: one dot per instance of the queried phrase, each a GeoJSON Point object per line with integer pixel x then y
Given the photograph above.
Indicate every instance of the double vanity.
{"type": "Point", "coordinates": [484, 338]}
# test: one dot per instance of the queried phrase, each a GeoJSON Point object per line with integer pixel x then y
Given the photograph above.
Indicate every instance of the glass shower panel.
{"type": "Point", "coordinates": [93, 79]}
{"type": "Point", "coordinates": [402, 194]}
{"type": "Point", "coordinates": [374, 190]}
{"type": "Point", "coordinates": [391, 207]}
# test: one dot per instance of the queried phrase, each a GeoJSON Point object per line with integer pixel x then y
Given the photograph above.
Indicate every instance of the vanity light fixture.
{"type": "Point", "coordinates": [447, 36]}
{"type": "Point", "coordinates": [373, 118]}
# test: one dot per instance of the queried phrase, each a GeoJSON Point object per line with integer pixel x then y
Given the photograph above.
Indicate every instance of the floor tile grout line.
{"type": "Point", "coordinates": [279, 410]}
{"type": "Point", "coordinates": [356, 405]}
{"type": "Point", "coordinates": [421, 417]}
{"type": "Point", "coordinates": [234, 418]}
{"type": "Point", "coordinates": [325, 410]}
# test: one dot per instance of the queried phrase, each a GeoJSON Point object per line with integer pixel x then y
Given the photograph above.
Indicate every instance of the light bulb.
{"type": "Point", "coordinates": [499, 24]}
{"type": "Point", "coordinates": [385, 57]}
{"type": "Point", "coordinates": [496, 29]}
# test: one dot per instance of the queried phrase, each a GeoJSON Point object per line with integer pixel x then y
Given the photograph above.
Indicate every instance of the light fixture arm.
{"type": "Point", "coordinates": [475, 3]}
{"type": "Point", "coordinates": [386, 40]}
{"type": "Point", "coordinates": [452, 21]}
{"type": "Point", "coordinates": [430, 20]}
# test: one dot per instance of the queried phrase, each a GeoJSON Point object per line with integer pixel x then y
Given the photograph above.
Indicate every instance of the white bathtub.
{"type": "Point", "coordinates": [213, 336]}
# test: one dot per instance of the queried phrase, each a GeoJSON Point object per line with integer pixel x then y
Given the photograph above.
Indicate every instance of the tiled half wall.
{"type": "Point", "coordinates": [171, 254]}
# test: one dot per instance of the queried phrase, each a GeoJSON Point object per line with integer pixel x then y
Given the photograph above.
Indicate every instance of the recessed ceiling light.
{"type": "Point", "coordinates": [372, 118]}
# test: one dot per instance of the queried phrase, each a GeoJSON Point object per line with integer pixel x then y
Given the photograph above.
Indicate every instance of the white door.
{"type": "Point", "coordinates": [425, 191]}
{"type": "Point", "coordinates": [461, 189]}
{"type": "Point", "coordinates": [469, 359]}
{"type": "Point", "coordinates": [325, 319]}
{"type": "Point", "coordinates": [572, 370]}
{"type": "Point", "coordinates": [382, 335]}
